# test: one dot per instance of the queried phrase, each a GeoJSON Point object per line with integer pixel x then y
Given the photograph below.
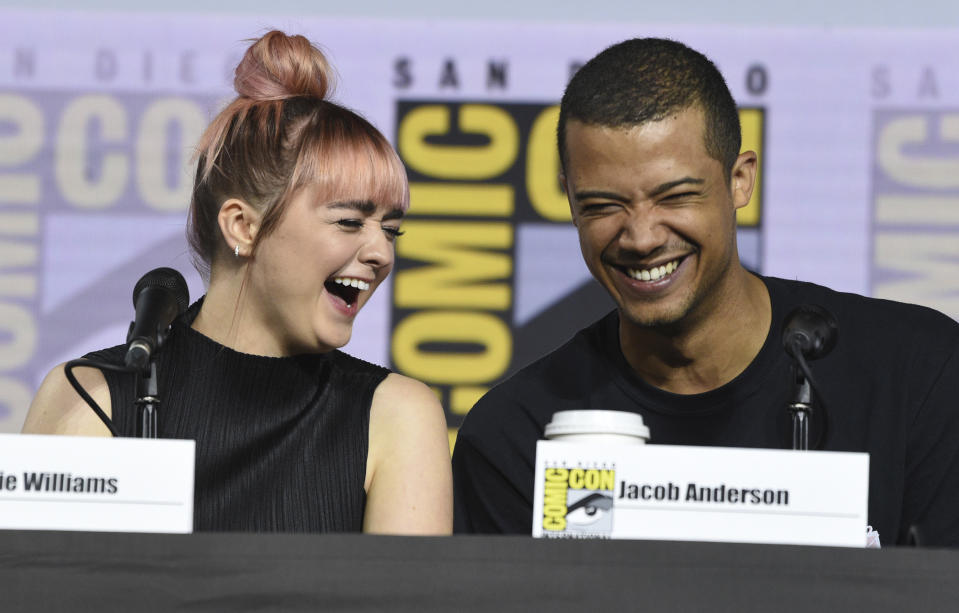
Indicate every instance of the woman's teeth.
{"type": "Point", "coordinates": [351, 282]}
{"type": "Point", "coordinates": [653, 274]}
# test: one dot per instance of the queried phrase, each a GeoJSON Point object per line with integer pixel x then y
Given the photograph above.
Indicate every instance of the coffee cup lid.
{"type": "Point", "coordinates": [596, 422]}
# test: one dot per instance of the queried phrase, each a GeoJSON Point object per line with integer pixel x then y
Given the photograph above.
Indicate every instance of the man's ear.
{"type": "Point", "coordinates": [742, 181]}
{"type": "Point", "coordinates": [239, 223]}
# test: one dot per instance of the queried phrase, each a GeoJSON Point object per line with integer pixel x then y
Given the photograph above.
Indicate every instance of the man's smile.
{"type": "Point", "coordinates": [653, 273]}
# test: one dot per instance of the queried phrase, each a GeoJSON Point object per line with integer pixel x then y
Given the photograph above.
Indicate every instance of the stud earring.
{"type": "Point", "coordinates": [236, 251]}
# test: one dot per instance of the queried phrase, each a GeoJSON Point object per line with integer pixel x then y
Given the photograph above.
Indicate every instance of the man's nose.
{"type": "Point", "coordinates": [643, 232]}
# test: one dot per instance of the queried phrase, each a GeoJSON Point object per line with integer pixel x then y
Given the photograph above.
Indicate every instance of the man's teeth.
{"type": "Point", "coordinates": [351, 282]}
{"type": "Point", "coordinates": [655, 273]}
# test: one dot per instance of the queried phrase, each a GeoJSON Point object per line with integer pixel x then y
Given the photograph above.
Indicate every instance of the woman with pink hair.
{"type": "Point", "coordinates": [296, 206]}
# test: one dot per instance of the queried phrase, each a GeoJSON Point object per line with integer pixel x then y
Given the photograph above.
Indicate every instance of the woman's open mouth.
{"type": "Point", "coordinates": [347, 289]}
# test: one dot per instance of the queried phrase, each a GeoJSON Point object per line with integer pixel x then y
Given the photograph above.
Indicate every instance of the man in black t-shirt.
{"type": "Point", "coordinates": [649, 140]}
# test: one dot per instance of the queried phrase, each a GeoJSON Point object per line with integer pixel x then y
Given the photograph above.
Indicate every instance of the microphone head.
{"type": "Point", "coordinates": [168, 279]}
{"type": "Point", "coordinates": [810, 329]}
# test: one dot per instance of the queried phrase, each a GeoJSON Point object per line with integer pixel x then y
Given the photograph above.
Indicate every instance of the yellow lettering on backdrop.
{"type": "Point", "coordinates": [542, 168]}
{"type": "Point", "coordinates": [466, 162]}
{"type": "Point", "coordinates": [478, 199]}
{"type": "Point", "coordinates": [483, 330]}
{"type": "Point", "coordinates": [464, 268]}
{"type": "Point", "coordinates": [751, 121]}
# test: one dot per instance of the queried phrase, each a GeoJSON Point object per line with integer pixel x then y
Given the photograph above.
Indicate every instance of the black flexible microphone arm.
{"type": "Point", "coordinates": [809, 332]}
{"type": "Point", "coordinates": [146, 403]}
{"type": "Point", "coordinates": [68, 371]}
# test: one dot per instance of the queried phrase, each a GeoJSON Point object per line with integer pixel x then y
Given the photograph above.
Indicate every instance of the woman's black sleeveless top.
{"type": "Point", "coordinates": [281, 443]}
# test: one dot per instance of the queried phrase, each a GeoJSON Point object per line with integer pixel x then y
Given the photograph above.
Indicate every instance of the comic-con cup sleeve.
{"type": "Point", "coordinates": [931, 481]}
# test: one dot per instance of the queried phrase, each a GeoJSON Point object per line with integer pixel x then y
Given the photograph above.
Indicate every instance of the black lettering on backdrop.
{"type": "Point", "coordinates": [105, 65]}
{"type": "Point", "coordinates": [147, 66]}
{"type": "Point", "coordinates": [881, 88]}
{"type": "Point", "coordinates": [24, 63]}
{"type": "Point", "coordinates": [928, 85]}
{"type": "Point", "coordinates": [757, 79]}
{"type": "Point", "coordinates": [448, 75]}
{"type": "Point", "coordinates": [402, 77]}
{"type": "Point", "coordinates": [496, 74]}
{"type": "Point", "coordinates": [922, 82]}
{"type": "Point", "coordinates": [186, 66]}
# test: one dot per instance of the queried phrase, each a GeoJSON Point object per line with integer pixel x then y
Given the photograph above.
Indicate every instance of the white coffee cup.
{"type": "Point", "coordinates": [617, 427]}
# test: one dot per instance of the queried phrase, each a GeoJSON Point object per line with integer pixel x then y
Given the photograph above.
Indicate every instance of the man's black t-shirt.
{"type": "Point", "coordinates": [890, 388]}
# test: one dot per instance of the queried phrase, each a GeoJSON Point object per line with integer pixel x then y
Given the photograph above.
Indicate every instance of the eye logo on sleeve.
{"type": "Point", "coordinates": [578, 502]}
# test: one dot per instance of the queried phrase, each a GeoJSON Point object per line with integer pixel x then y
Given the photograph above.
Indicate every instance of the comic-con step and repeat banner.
{"type": "Point", "coordinates": [857, 133]}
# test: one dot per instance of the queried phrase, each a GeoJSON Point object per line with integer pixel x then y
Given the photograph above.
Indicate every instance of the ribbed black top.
{"type": "Point", "coordinates": [281, 443]}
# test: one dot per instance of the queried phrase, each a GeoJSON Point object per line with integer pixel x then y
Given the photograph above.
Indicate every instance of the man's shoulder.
{"type": "Point", "coordinates": [862, 311]}
{"type": "Point", "coordinates": [585, 351]}
{"type": "Point", "coordinates": [538, 389]}
{"type": "Point", "coordinates": [875, 325]}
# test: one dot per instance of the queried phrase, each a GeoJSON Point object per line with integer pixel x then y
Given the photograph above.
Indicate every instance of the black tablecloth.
{"type": "Point", "coordinates": [64, 571]}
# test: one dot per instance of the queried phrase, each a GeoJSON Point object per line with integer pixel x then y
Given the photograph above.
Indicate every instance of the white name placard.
{"type": "Point", "coordinates": [663, 492]}
{"type": "Point", "coordinates": [98, 484]}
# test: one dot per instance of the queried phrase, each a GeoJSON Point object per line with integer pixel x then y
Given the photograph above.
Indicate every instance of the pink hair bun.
{"type": "Point", "coordinates": [277, 66]}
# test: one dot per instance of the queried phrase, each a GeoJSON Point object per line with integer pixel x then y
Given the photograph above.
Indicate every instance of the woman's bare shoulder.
{"type": "Point", "coordinates": [401, 393]}
{"type": "Point", "coordinates": [409, 483]}
{"type": "Point", "coordinates": [57, 408]}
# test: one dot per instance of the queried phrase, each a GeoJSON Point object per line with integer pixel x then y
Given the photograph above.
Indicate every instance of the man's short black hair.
{"type": "Point", "coordinates": [647, 79]}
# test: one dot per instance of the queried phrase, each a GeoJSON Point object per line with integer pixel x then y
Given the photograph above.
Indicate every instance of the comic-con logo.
{"type": "Point", "coordinates": [578, 502]}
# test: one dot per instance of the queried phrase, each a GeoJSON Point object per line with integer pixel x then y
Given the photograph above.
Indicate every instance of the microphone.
{"type": "Point", "coordinates": [158, 297]}
{"type": "Point", "coordinates": [809, 332]}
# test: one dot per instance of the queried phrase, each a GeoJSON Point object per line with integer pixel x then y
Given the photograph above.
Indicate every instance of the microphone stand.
{"type": "Point", "coordinates": [809, 332]}
{"type": "Point", "coordinates": [147, 402]}
{"type": "Point", "coordinates": [800, 407]}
